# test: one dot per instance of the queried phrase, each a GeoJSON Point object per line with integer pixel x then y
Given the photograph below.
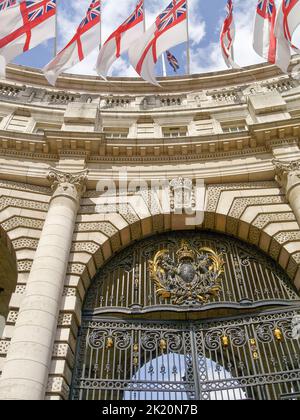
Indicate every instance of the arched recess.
{"type": "Point", "coordinates": [106, 239]}
{"type": "Point", "coordinates": [236, 343]}
{"type": "Point", "coordinates": [8, 275]}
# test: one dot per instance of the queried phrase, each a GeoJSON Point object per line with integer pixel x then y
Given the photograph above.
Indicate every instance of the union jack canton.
{"type": "Point", "coordinates": [173, 14]}
{"type": "Point", "coordinates": [91, 19]}
{"type": "Point", "coordinates": [266, 9]}
{"type": "Point", "coordinates": [33, 14]}
{"type": "Point", "coordinates": [93, 13]}
{"type": "Point", "coordinates": [5, 4]}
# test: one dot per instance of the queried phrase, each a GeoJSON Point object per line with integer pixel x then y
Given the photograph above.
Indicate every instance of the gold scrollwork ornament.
{"type": "Point", "coordinates": [193, 277]}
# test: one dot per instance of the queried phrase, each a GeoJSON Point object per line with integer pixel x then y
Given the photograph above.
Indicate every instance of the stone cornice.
{"type": "Point", "coordinates": [95, 145]}
{"type": "Point", "coordinates": [91, 84]}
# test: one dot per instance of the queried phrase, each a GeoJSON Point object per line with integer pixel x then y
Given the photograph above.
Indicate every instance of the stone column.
{"type": "Point", "coordinates": [26, 369]}
{"type": "Point", "coordinates": [288, 177]}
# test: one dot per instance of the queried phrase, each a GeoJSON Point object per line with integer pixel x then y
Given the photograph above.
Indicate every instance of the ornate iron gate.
{"type": "Point", "coordinates": [255, 357]}
{"type": "Point", "coordinates": [189, 277]}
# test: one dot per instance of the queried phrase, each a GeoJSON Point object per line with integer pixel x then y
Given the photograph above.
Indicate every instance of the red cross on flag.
{"type": "Point", "coordinates": [86, 39]}
{"type": "Point", "coordinates": [227, 37]}
{"type": "Point", "coordinates": [169, 30]}
{"type": "Point", "coordinates": [121, 39]}
{"type": "Point", "coordinates": [23, 26]}
{"type": "Point", "coordinates": [267, 45]}
{"type": "Point", "coordinates": [287, 22]}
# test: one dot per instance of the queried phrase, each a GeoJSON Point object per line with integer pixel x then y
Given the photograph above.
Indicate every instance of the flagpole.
{"type": "Point", "coordinates": [56, 30]}
{"type": "Point", "coordinates": [100, 28]}
{"type": "Point", "coordinates": [144, 20]}
{"type": "Point", "coordinates": [164, 65]}
{"type": "Point", "coordinates": [188, 54]}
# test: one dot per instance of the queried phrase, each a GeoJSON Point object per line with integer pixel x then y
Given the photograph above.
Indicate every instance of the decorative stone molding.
{"type": "Point", "coordinates": [240, 204]}
{"type": "Point", "coordinates": [25, 187]}
{"type": "Point", "coordinates": [12, 317]}
{"type": "Point", "coordinates": [89, 247]}
{"type": "Point", "coordinates": [72, 185]}
{"type": "Point", "coordinates": [58, 385]}
{"type": "Point", "coordinates": [214, 193]}
{"type": "Point", "coordinates": [17, 221]}
{"type": "Point", "coordinates": [65, 319]}
{"type": "Point", "coordinates": [25, 243]}
{"type": "Point", "coordinates": [60, 350]}
{"type": "Point", "coordinates": [76, 268]}
{"type": "Point", "coordinates": [293, 265]}
{"type": "Point", "coordinates": [263, 220]}
{"type": "Point", "coordinates": [70, 291]}
{"type": "Point", "coordinates": [20, 289]}
{"type": "Point", "coordinates": [4, 346]}
{"type": "Point", "coordinates": [104, 227]}
{"type": "Point", "coordinates": [24, 266]}
{"type": "Point", "coordinates": [17, 202]}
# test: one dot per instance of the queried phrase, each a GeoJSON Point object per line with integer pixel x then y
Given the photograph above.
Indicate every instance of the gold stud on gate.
{"type": "Point", "coordinates": [163, 345]}
{"type": "Point", "coordinates": [109, 343]}
{"type": "Point", "coordinates": [254, 349]}
{"type": "Point", "coordinates": [278, 334]}
{"type": "Point", "coordinates": [225, 341]}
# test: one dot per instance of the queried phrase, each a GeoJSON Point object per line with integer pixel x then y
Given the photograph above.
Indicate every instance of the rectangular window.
{"type": "Point", "coordinates": [113, 133]}
{"type": "Point", "coordinates": [234, 127]}
{"type": "Point", "coordinates": [174, 132]}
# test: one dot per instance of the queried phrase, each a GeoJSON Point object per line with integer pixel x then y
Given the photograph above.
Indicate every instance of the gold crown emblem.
{"type": "Point", "coordinates": [185, 252]}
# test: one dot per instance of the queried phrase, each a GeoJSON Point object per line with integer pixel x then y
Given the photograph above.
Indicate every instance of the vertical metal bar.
{"type": "Point", "coordinates": [117, 297]}
{"type": "Point", "coordinates": [195, 363]}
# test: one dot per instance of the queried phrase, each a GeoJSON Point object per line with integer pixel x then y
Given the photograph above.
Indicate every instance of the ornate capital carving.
{"type": "Point", "coordinates": [287, 174]}
{"type": "Point", "coordinates": [72, 185]}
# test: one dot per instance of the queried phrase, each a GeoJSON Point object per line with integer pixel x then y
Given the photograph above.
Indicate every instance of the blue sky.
{"type": "Point", "coordinates": [205, 20]}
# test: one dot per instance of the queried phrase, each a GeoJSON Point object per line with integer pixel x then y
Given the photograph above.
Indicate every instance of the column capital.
{"type": "Point", "coordinates": [67, 184]}
{"type": "Point", "coordinates": [287, 174]}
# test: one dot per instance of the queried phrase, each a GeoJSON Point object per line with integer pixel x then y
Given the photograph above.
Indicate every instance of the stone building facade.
{"type": "Point", "coordinates": [237, 131]}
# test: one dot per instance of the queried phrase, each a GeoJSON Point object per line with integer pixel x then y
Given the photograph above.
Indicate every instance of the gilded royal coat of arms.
{"type": "Point", "coordinates": [194, 276]}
